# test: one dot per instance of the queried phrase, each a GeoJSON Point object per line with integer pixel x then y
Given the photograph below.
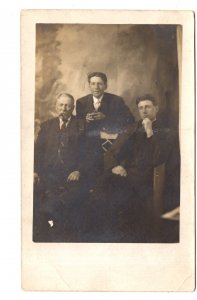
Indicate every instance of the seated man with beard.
{"type": "Point", "coordinates": [59, 164]}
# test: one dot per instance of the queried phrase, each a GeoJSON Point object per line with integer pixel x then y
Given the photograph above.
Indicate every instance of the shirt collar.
{"type": "Point", "coordinates": [67, 121]}
{"type": "Point", "coordinates": [98, 100]}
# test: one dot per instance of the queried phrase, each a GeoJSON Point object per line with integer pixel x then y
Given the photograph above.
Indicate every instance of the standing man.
{"type": "Point", "coordinates": [59, 162]}
{"type": "Point", "coordinates": [103, 112]}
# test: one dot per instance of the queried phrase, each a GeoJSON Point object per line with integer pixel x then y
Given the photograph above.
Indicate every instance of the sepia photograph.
{"type": "Point", "coordinates": [105, 157]}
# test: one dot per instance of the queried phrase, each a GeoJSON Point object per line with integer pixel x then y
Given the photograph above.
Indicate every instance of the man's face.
{"type": "Point", "coordinates": [97, 86]}
{"type": "Point", "coordinates": [64, 106]}
{"type": "Point", "coordinates": [147, 109]}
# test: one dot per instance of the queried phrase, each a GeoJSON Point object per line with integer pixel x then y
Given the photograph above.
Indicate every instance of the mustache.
{"type": "Point", "coordinates": [66, 114]}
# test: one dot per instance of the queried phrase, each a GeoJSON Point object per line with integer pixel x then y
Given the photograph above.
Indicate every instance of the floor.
{"type": "Point", "coordinates": [46, 231]}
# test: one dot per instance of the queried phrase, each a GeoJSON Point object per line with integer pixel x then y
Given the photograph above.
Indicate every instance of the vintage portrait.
{"type": "Point", "coordinates": [106, 155]}
{"type": "Point", "coordinates": [107, 147]}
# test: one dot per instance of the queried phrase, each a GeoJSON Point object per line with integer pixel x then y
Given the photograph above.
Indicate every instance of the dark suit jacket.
{"type": "Point", "coordinates": [139, 154]}
{"type": "Point", "coordinates": [117, 113]}
{"type": "Point", "coordinates": [59, 150]}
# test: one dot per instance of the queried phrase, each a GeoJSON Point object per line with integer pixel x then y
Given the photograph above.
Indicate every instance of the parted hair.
{"type": "Point", "coordinates": [146, 97]}
{"type": "Point", "coordinates": [98, 74]}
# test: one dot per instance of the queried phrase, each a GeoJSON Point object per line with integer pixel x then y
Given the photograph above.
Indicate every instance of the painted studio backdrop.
{"type": "Point", "coordinates": [137, 59]}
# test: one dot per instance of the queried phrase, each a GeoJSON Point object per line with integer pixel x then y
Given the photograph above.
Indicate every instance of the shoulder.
{"type": "Point", "coordinates": [165, 133]}
{"type": "Point", "coordinates": [48, 123]}
{"type": "Point", "coordinates": [125, 136]}
{"type": "Point", "coordinates": [130, 130]}
{"type": "Point", "coordinates": [113, 97]}
{"type": "Point", "coordinates": [84, 99]}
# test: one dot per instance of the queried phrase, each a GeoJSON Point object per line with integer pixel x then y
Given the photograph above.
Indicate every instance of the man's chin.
{"type": "Point", "coordinates": [64, 116]}
{"type": "Point", "coordinates": [97, 94]}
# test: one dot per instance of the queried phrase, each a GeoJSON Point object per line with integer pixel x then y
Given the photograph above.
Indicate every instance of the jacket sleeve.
{"type": "Point", "coordinates": [125, 115]}
{"type": "Point", "coordinates": [164, 144]}
{"type": "Point", "coordinates": [116, 154]}
{"type": "Point", "coordinates": [39, 149]}
{"type": "Point", "coordinates": [120, 116]}
{"type": "Point", "coordinates": [81, 151]}
{"type": "Point", "coordinates": [80, 113]}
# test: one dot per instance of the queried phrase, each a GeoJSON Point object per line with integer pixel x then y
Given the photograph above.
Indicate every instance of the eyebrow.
{"type": "Point", "coordinates": [144, 105]}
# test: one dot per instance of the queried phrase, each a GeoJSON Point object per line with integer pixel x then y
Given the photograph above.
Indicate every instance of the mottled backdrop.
{"type": "Point", "coordinates": [137, 59]}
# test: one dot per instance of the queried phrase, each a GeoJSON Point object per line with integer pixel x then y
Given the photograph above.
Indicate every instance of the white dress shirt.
{"type": "Point", "coordinates": [97, 102]}
{"type": "Point", "coordinates": [64, 122]}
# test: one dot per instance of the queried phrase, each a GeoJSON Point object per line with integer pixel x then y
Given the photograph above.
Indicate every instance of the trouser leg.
{"type": "Point", "coordinates": [104, 205]}
{"type": "Point", "coordinates": [141, 212]}
{"type": "Point", "coordinates": [63, 210]}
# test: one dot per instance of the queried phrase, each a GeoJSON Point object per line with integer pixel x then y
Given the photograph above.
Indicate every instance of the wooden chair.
{"type": "Point", "coordinates": [158, 189]}
{"type": "Point", "coordinates": [158, 192]}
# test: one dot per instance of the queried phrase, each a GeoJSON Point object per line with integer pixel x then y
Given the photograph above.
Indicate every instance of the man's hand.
{"type": "Point", "coordinates": [74, 176]}
{"type": "Point", "coordinates": [89, 117]}
{"type": "Point", "coordinates": [147, 123]}
{"type": "Point", "coordinates": [119, 170]}
{"type": "Point", "coordinates": [95, 116]}
{"type": "Point", "coordinates": [99, 115]}
{"type": "Point", "coordinates": [36, 178]}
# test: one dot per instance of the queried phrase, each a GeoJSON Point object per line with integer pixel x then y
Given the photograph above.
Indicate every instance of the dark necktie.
{"type": "Point", "coordinates": [63, 126]}
{"type": "Point", "coordinates": [62, 140]}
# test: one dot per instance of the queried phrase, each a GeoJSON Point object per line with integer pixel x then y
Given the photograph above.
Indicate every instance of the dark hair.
{"type": "Point", "coordinates": [98, 74]}
{"type": "Point", "coordinates": [66, 94]}
{"type": "Point", "coordinates": [146, 97]}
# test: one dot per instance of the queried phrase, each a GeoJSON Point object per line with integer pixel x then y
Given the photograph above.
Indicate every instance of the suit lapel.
{"type": "Point", "coordinates": [71, 125]}
{"type": "Point", "coordinates": [104, 108]}
{"type": "Point", "coordinates": [90, 103]}
{"type": "Point", "coordinates": [104, 104]}
{"type": "Point", "coordinates": [55, 126]}
{"type": "Point", "coordinates": [53, 132]}
{"type": "Point", "coordinates": [69, 132]}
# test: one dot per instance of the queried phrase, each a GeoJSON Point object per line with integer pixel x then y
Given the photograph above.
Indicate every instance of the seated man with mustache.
{"type": "Point", "coordinates": [59, 164]}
